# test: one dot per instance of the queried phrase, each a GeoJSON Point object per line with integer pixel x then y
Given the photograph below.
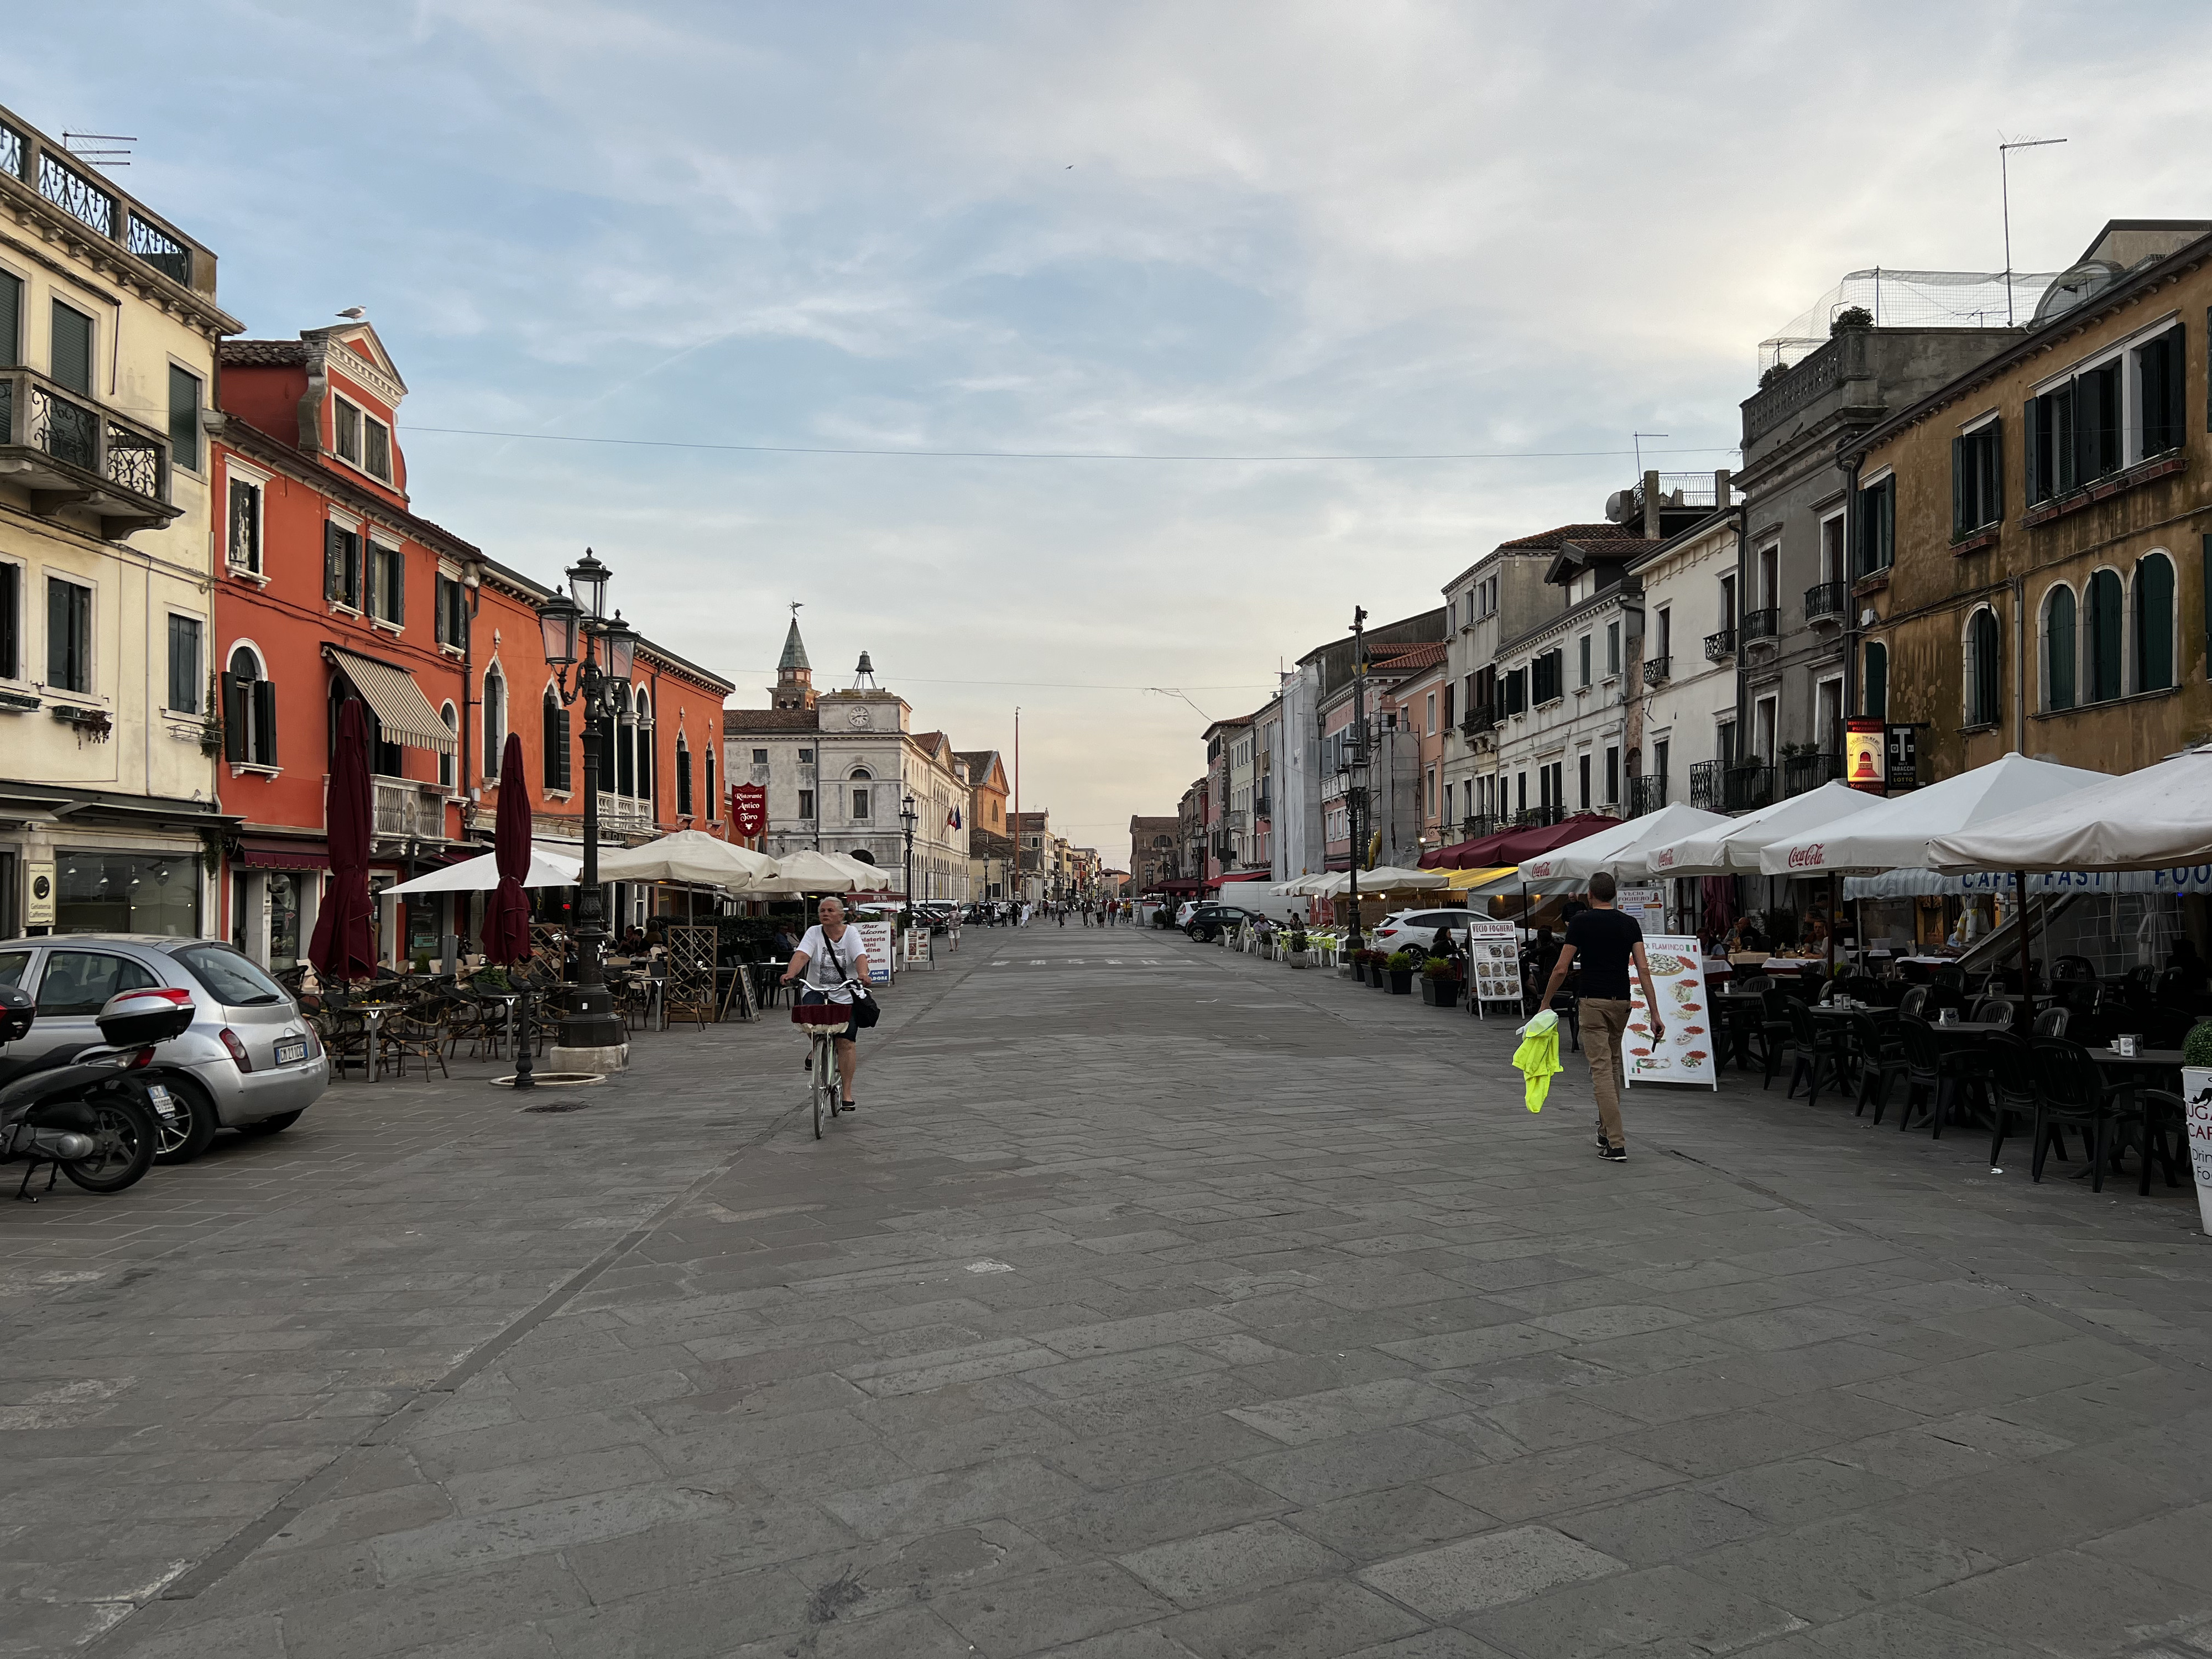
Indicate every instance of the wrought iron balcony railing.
{"type": "Point", "coordinates": [1479, 718]}
{"type": "Point", "coordinates": [1802, 772]}
{"type": "Point", "coordinates": [1656, 670]}
{"type": "Point", "coordinates": [1647, 794]}
{"type": "Point", "coordinates": [1707, 792]}
{"type": "Point", "coordinates": [1761, 626]}
{"type": "Point", "coordinates": [1746, 787]}
{"type": "Point", "coordinates": [1720, 647]}
{"type": "Point", "coordinates": [1538, 815]}
{"type": "Point", "coordinates": [55, 176]}
{"type": "Point", "coordinates": [1824, 601]}
{"type": "Point", "coordinates": [1478, 825]}
{"type": "Point", "coordinates": [69, 451]}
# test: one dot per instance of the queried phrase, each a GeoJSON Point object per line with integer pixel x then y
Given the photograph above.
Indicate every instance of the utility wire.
{"type": "Point", "coordinates": [1051, 455]}
{"type": "Point", "coordinates": [1066, 686]}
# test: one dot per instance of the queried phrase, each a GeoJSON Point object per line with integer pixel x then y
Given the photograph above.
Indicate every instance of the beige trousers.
{"type": "Point", "coordinates": [1603, 1021]}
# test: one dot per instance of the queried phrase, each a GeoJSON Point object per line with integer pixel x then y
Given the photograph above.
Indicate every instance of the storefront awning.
{"type": "Point", "coordinates": [261, 853]}
{"type": "Point", "coordinates": [401, 708]}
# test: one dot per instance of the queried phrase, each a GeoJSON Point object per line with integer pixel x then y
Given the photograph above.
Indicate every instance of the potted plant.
{"type": "Point", "coordinates": [2196, 1047]}
{"type": "Point", "coordinates": [1298, 947]}
{"type": "Point", "coordinates": [1439, 982]}
{"type": "Point", "coordinates": [1398, 965]}
{"type": "Point", "coordinates": [1359, 965]}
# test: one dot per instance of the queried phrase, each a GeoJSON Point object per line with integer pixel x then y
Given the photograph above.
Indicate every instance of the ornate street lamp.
{"type": "Point", "coordinates": [1355, 780]}
{"type": "Point", "coordinates": [909, 818]}
{"type": "Point", "coordinates": [602, 653]}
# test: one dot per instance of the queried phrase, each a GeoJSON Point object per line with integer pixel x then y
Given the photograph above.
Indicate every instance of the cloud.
{"type": "Point", "coordinates": [1182, 227]}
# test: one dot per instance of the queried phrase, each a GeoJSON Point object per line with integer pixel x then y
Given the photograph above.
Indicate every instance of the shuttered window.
{"type": "Point", "coordinates": [342, 566]}
{"type": "Point", "coordinates": [11, 319]}
{"type": "Point", "coordinates": [184, 419]}
{"type": "Point", "coordinates": [2154, 623]}
{"type": "Point", "coordinates": [70, 353]}
{"type": "Point", "coordinates": [682, 780]}
{"type": "Point", "coordinates": [183, 665]}
{"type": "Point", "coordinates": [1875, 682]}
{"type": "Point", "coordinates": [1982, 708]}
{"type": "Point", "coordinates": [2159, 378]}
{"type": "Point", "coordinates": [1877, 527]}
{"type": "Point", "coordinates": [68, 635]}
{"type": "Point", "coordinates": [2060, 650]}
{"type": "Point", "coordinates": [1977, 480]}
{"type": "Point", "coordinates": [2105, 626]}
{"type": "Point", "coordinates": [556, 742]}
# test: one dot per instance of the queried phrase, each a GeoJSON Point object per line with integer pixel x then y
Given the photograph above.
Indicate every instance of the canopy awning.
{"type": "Point", "coordinates": [1618, 849]}
{"type": "Point", "coordinates": [401, 708]}
{"type": "Point", "coordinates": [2158, 818]}
{"type": "Point", "coordinates": [1464, 881]}
{"type": "Point", "coordinates": [1733, 845]}
{"type": "Point", "coordinates": [1894, 834]}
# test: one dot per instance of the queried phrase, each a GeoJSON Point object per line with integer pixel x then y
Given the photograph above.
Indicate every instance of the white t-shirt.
{"type": "Point", "coordinates": [829, 965]}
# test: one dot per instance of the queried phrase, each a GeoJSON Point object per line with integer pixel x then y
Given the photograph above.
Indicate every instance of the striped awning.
{"type": "Point", "coordinates": [401, 708]}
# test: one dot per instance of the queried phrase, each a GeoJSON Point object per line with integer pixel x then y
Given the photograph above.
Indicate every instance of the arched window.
{"type": "Point", "coordinates": [2104, 627]}
{"type": "Point", "coordinates": [642, 740]}
{"type": "Point", "coordinates": [682, 777]}
{"type": "Point", "coordinates": [451, 718]}
{"type": "Point", "coordinates": [1875, 682]}
{"type": "Point", "coordinates": [2153, 623]}
{"type": "Point", "coordinates": [494, 721]}
{"type": "Point", "coordinates": [625, 754]}
{"type": "Point", "coordinates": [249, 712]}
{"type": "Point", "coordinates": [2058, 648]}
{"type": "Point", "coordinates": [1982, 668]}
{"type": "Point", "coordinates": [555, 715]}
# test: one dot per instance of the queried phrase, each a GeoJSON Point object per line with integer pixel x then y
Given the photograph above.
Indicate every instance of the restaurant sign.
{"type": "Point", "coordinates": [749, 808]}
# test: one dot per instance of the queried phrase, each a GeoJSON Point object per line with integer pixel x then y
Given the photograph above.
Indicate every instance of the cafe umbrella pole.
{"type": "Point", "coordinates": [2024, 1020]}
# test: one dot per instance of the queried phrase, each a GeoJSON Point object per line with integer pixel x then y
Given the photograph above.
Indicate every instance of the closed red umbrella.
{"type": "Point", "coordinates": [340, 947]}
{"type": "Point", "coordinates": [507, 917]}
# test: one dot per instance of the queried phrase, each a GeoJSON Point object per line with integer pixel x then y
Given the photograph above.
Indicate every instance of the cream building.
{"type": "Point", "coordinates": [109, 323]}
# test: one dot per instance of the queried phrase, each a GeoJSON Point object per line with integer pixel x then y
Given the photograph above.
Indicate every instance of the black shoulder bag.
{"type": "Point", "coordinates": [865, 1014]}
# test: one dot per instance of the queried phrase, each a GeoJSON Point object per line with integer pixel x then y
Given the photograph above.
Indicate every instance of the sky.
{"type": "Point", "coordinates": [1190, 229]}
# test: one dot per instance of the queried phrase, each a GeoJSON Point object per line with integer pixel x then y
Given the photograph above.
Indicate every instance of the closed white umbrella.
{"type": "Point", "coordinates": [2158, 818]}
{"type": "Point", "coordinates": [807, 870]}
{"type": "Point", "coordinates": [1894, 835]}
{"type": "Point", "coordinates": [1392, 877]}
{"type": "Point", "coordinates": [481, 875]}
{"type": "Point", "coordinates": [1619, 850]}
{"type": "Point", "coordinates": [1732, 845]}
{"type": "Point", "coordinates": [689, 855]}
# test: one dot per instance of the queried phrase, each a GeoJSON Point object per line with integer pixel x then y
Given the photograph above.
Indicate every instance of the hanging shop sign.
{"type": "Point", "coordinates": [1866, 758]}
{"type": "Point", "coordinates": [749, 808]}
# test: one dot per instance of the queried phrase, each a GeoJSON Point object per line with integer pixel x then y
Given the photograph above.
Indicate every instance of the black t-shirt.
{"type": "Point", "coordinates": [1602, 941]}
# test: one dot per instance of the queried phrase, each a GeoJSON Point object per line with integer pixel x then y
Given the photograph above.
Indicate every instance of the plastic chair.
{"type": "Point", "coordinates": [1994, 1010]}
{"type": "Point", "coordinates": [2013, 1092]}
{"type": "Point", "coordinates": [1775, 1031]}
{"type": "Point", "coordinates": [1816, 1047]}
{"type": "Point", "coordinates": [2073, 1094]}
{"type": "Point", "coordinates": [1913, 1001]}
{"type": "Point", "coordinates": [2051, 1022]}
{"type": "Point", "coordinates": [1933, 1074]}
{"type": "Point", "coordinates": [1880, 1051]}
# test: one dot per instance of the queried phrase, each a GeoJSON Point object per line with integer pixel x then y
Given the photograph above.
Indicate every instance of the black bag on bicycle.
{"type": "Point", "coordinates": [865, 1011]}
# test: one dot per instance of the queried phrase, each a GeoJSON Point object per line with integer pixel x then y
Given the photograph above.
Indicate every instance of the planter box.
{"type": "Point", "coordinates": [1297, 958]}
{"type": "Point", "coordinates": [1440, 993]}
{"type": "Point", "coordinates": [1401, 982]}
{"type": "Point", "coordinates": [1379, 977]}
{"type": "Point", "coordinates": [1359, 972]}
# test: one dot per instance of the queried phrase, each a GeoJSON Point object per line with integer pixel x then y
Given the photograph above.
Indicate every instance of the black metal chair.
{"type": "Point", "coordinates": [1776, 1033]}
{"type": "Point", "coordinates": [1878, 1045]}
{"type": "Point", "coordinates": [2012, 1089]}
{"type": "Point", "coordinates": [1935, 1074]}
{"type": "Point", "coordinates": [2073, 1094]}
{"type": "Point", "coordinates": [2051, 1022]}
{"type": "Point", "coordinates": [1820, 1044]}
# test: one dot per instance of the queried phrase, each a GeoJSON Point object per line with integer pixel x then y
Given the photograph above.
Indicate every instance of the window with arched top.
{"type": "Point", "coordinates": [2061, 652]}
{"type": "Point", "coordinates": [2154, 618]}
{"type": "Point", "coordinates": [2104, 632]}
{"type": "Point", "coordinates": [553, 715]}
{"type": "Point", "coordinates": [494, 721]}
{"type": "Point", "coordinates": [249, 711]}
{"type": "Point", "coordinates": [642, 743]}
{"type": "Point", "coordinates": [682, 777]}
{"type": "Point", "coordinates": [451, 719]}
{"type": "Point", "coordinates": [1982, 679]}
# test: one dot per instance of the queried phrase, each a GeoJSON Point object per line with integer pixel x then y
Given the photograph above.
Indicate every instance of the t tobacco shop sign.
{"type": "Point", "coordinates": [1879, 757]}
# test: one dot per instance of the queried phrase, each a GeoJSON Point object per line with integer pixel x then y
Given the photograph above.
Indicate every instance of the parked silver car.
{"type": "Point", "coordinates": [249, 1060]}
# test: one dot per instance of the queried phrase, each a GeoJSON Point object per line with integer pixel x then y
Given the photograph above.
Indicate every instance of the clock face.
{"type": "Point", "coordinates": [859, 717]}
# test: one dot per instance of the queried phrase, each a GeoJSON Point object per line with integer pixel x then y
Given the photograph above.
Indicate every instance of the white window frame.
{"type": "Point", "coordinates": [339, 406]}
{"type": "Point", "coordinates": [449, 765]}
{"type": "Point", "coordinates": [236, 472]}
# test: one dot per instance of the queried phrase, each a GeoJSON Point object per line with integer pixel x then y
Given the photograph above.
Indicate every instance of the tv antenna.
{"type": "Point", "coordinates": [2005, 147]}
{"type": "Point", "coordinates": [1637, 438]}
{"type": "Point", "coordinates": [102, 149]}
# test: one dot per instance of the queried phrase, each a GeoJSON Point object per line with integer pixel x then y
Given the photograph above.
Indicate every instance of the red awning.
{"type": "Point", "coordinates": [1512, 846]}
{"type": "Point", "coordinates": [1213, 883]}
{"type": "Point", "coordinates": [1183, 885]}
{"type": "Point", "coordinates": [267, 853]}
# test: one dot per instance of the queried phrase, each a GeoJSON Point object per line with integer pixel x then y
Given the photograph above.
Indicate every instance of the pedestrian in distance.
{"type": "Point", "coordinates": [1607, 943]}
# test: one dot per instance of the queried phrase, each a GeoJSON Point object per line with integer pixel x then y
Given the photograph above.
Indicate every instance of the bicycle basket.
{"type": "Point", "coordinates": [830, 1018]}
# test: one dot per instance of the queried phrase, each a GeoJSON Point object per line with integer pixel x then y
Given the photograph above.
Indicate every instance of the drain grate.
{"type": "Point", "coordinates": [559, 1106]}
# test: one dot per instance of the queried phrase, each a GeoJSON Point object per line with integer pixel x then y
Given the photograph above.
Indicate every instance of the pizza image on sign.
{"type": "Point", "coordinates": [1678, 979]}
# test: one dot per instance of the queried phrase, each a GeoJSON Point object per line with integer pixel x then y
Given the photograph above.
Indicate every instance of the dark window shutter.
{"type": "Point", "coordinates": [1994, 509]}
{"type": "Point", "coordinates": [2204, 556]}
{"type": "Point", "coordinates": [2175, 409]}
{"type": "Point", "coordinates": [333, 563]}
{"type": "Point", "coordinates": [438, 609]}
{"type": "Point", "coordinates": [396, 562]}
{"type": "Point", "coordinates": [11, 319]}
{"type": "Point", "coordinates": [682, 782]}
{"type": "Point", "coordinates": [1960, 458]}
{"type": "Point", "coordinates": [2154, 624]}
{"type": "Point", "coordinates": [2032, 437]}
{"type": "Point", "coordinates": [567, 752]}
{"type": "Point", "coordinates": [264, 722]}
{"type": "Point", "coordinates": [236, 693]}
{"type": "Point", "coordinates": [70, 352]}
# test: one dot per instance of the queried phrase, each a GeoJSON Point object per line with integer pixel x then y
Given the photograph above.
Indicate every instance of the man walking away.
{"type": "Point", "coordinates": [1607, 942]}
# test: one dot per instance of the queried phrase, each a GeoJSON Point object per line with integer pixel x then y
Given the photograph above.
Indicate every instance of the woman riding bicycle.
{"type": "Point", "coordinates": [828, 959]}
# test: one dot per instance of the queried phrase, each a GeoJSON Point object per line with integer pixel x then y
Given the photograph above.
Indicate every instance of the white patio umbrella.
{"type": "Point", "coordinates": [481, 875]}
{"type": "Point", "coordinates": [2158, 818]}
{"type": "Point", "coordinates": [689, 855]}
{"type": "Point", "coordinates": [1618, 850]}
{"type": "Point", "coordinates": [1894, 834]}
{"type": "Point", "coordinates": [1732, 845]}
{"type": "Point", "coordinates": [809, 872]}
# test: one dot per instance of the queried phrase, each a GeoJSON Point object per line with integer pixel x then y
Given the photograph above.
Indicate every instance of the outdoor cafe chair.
{"type": "Point", "coordinates": [1820, 1047]}
{"type": "Point", "coordinates": [416, 1030]}
{"type": "Point", "coordinates": [2073, 1094]}
{"type": "Point", "coordinates": [1914, 1001]}
{"type": "Point", "coordinates": [1992, 1010]}
{"type": "Point", "coordinates": [1776, 1031]}
{"type": "Point", "coordinates": [2051, 1022]}
{"type": "Point", "coordinates": [1880, 1048]}
{"type": "Point", "coordinates": [1935, 1074]}
{"type": "Point", "coordinates": [2015, 1092]}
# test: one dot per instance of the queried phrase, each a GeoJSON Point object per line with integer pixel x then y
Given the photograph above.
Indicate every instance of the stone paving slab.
{"type": "Point", "coordinates": [1160, 1303]}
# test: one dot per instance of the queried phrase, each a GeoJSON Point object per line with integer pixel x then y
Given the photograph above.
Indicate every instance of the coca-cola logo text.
{"type": "Point", "coordinates": [1801, 857]}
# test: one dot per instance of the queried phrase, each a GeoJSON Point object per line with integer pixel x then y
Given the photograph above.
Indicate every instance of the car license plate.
{"type": "Point", "coordinates": [291, 1051]}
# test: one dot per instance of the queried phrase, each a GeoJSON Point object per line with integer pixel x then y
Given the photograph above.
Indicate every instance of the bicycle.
{"type": "Point", "coordinates": [825, 1023]}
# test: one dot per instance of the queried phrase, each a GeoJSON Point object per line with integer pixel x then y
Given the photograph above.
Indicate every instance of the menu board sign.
{"type": "Point", "coordinates": [1686, 1054]}
{"type": "Point", "coordinates": [2197, 1094]}
{"type": "Point", "coordinates": [1646, 904]}
{"type": "Point", "coordinates": [876, 944]}
{"type": "Point", "coordinates": [1494, 962]}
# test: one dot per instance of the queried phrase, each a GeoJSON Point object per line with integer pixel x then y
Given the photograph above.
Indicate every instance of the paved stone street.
{"type": "Point", "coordinates": [1160, 1303]}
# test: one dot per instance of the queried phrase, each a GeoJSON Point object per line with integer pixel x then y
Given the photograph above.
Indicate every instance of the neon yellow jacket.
{"type": "Point", "coordinates": [1538, 1057]}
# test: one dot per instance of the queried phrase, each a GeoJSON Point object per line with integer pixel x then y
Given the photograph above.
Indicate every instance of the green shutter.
{"type": "Point", "coordinates": [235, 704]}
{"type": "Point", "coordinates": [11, 319]}
{"type": "Point", "coordinates": [2154, 623]}
{"type": "Point", "coordinates": [2059, 653]}
{"type": "Point", "coordinates": [264, 722]}
{"type": "Point", "coordinates": [184, 419]}
{"type": "Point", "coordinates": [69, 353]}
{"type": "Point", "coordinates": [397, 596]}
{"type": "Point", "coordinates": [1960, 459]}
{"type": "Point", "coordinates": [333, 563]}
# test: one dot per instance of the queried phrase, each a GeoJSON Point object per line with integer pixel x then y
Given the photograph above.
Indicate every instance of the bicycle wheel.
{"type": "Point", "coordinates": [815, 1089]}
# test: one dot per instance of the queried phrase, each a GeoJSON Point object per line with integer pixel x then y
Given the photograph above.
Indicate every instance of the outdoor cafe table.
{"type": "Point", "coordinates": [1741, 1011]}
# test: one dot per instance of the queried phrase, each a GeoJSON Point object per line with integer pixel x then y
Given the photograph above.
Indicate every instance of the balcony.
{"type": "Point", "coordinates": [1720, 647]}
{"type": "Point", "coordinates": [68, 451]}
{"type": "Point", "coordinates": [1537, 816]}
{"type": "Point", "coordinates": [1761, 626]}
{"type": "Point", "coordinates": [1707, 791]}
{"type": "Point", "coordinates": [49, 172]}
{"type": "Point", "coordinates": [1480, 826]}
{"type": "Point", "coordinates": [1802, 772]}
{"type": "Point", "coordinates": [1478, 720]}
{"type": "Point", "coordinates": [623, 814]}
{"type": "Point", "coordinates": [408, 810]}
{"type": "Point", "coordinates": [1647, 794]}
{"type": "Point", "coordinates": [1656, 670]}
{"type": "Point", "coordinates": [1825, 601]}
{"type": "Point", "coordinates": [1746, 787]}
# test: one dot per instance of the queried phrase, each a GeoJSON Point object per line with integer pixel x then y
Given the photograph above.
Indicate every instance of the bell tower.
{"type": "Point", "coordinates": [795, 675]}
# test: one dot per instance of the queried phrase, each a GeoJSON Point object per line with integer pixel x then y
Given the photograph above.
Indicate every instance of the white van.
{"type": "Point", "coordinates": [1254, 895]}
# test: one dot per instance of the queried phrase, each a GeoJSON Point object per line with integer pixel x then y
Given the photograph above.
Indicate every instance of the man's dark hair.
{"type": "Point", "coordinates": [1602, 888]}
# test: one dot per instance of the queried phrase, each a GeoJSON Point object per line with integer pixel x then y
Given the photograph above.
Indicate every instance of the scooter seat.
{"type": "Point", "coordinates": [13, 1070]}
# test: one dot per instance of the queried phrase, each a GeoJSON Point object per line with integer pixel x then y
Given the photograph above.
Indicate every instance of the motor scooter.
{"type": "Point", "coordinates": [86, 1113]}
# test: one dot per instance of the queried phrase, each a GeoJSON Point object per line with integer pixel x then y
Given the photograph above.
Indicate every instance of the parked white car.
{"type": "Point", "coordinates": [1403, 929]}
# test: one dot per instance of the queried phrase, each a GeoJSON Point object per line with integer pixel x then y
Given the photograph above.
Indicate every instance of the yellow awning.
{"type": "Point", "coordinates": [401, 708]}
{"type": "Point", "coordinates": [1460, 881]}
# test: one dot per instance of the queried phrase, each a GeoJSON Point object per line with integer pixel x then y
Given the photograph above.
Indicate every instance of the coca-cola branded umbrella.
{"type": "Point", "coordinates": [339, 947]}
{"type": "Point", "coordinates": [506, 915]}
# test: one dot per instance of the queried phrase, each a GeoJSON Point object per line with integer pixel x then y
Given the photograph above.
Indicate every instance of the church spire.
{"type": "Point", "coordinates": [795, 675]}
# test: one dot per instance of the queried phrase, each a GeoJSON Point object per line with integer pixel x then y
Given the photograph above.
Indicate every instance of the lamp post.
{"type": "Point", "coordinates": [909, 818]}
{"type": "Point", "coordinates": [1355, 776]}
{"type": "Point", "coordinates": [603, 650]}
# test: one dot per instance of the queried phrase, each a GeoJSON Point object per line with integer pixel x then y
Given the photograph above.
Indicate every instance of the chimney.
{"type": "Point", "coordinates": [1721, 489]}
{"type": "Point", "coordinates": [1651, 507]}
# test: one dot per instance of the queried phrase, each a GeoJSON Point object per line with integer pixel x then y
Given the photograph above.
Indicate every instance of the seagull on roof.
{"type": "Point", "coordinates": [353, 313]}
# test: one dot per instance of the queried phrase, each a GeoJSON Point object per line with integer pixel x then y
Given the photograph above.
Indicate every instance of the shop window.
{"type": "Point", "coordinates": [126, 893]}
